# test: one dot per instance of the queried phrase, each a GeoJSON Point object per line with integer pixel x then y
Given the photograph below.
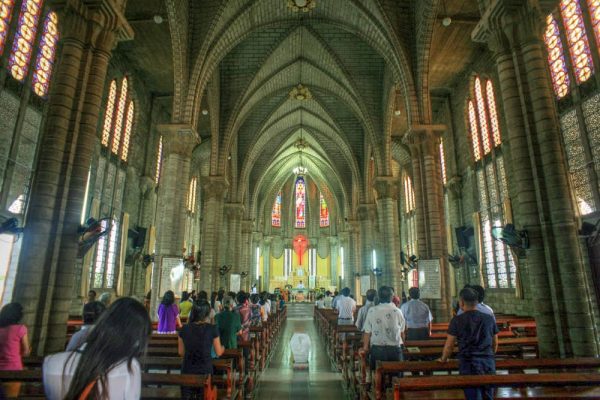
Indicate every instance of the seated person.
{"type": "Point", "coordinates": [91, 313]}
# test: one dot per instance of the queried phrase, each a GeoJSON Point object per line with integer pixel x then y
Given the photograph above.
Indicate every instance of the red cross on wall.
{"type": "Point", "coordinates": [300, 246]}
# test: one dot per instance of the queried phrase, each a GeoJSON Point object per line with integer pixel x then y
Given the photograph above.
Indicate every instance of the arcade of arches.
{"type": "Point", "coordinates": [330, 142]}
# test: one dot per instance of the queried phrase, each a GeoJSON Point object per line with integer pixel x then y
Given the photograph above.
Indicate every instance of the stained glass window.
{"type": "Point", "coordinates": [324, 219]}
{"type": "Point", "coordinates": [276, 212]}
{"type": "Point", "coordinates": [491, 101]}
{"type": "Point", "coordinates": [158, 160]}
{"type": "Point", "coordinates": [443, 162]}
{"type": "Point", "coordinates": [474, 131]}
{"type": "Point", "coordinates": [410, 221]}
{"type": "Point", "coordinates": [118, 131]}
{"type": "Point", "coordinates": [556, 58]}
{"type": "Point", "coordinates": [18, 62]}
{"type": "Point", "coordinates": [109, 113]}
{"type": "Point", "coordinates": [594, 7]}
{"type": "Point", "coordinates": [577, 39]}
{"type": "Point", "coordinates": [300, 203]}
{"type": "Point", "coordinates": [6, 8]}
{"type": "Point", "coordinates": [409, 194]}
{"type": "Point", "coordinates": [45, 57]}
{"type": "Point", "coordinates": [191, 197]}
{"type": "Point", "coordinates": [482, 117]}
{"type": "Point", "coordinates": [127, 130]}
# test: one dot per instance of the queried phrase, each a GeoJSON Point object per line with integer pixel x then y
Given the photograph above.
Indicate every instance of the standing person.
{"type": "Point", "coordinates": [418, 316]}
{"type": "Point", "coordinates": [345, 307]}
{"type": "Point", "coordinates": [185, 305]}
{"type": "Point", "coordinates": [91, 297]}
{"type": "Point", "coordinates": [336, 297]}
{"type": "Point", "coordinates": [328, 299]}
{"type": "Point", "coordinates": [229, 323]}
{"type": "Point", "coordinates": [477, 337]}
{"type": "Point", "coordinates": [108, 366]}
{"type": "Point", "coordinates": [195, 341]}
{"type": "Point", "coordinates": [255, 311]}
{"type": "Point", "coordinates": [243, 309]}
{"type": "Point", "coordinates": [481, 306]}
{"type": "Point", "coordinates": [91, 313]}
{"type": "Point", "coordinates": [383, 330]}
{"type": "Point", "coordinates": [14, 344]}
{"type": "Point", "coordinates": [203, 296]}
{"type": "Point", "coordinates": [396, 299]}
{"type": "Point", "coordinates": [362, 313]}
{"type": "Point", "coordinates": [320, 303]}
{"type": "Point", "coordinates": [168, 314]}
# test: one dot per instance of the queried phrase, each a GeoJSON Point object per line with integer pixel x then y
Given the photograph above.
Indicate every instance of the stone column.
{"type": "Point", "coordinates": [246, 252]}
{"type": "Point", "coordinates": [387, 208]}
{"type": "Point", "coordinates": [266, 253]}
{"type": "Point", "coordinates": [148, 202]}
{"type": "Point", "coordinates": [171, 213]}
{"type": "Point", "coordinates": [234, 212]}
{"type": "Point", "coordinates": [352, 255]}
{"type": "Point", "coordinates": [334, 251]}
{"type": "Point", "coordinates": [366, 216]}
{"type": "Point", "coordinates": [423, 141]}
{"type": "Point", "coordinates": [460, 277]}
{"type": "Point", "coordinates": [45, 278]}
{"type": "Point", "coordinates": [214, 190]}
{"type": "Point", "coordinates": [541, 199]}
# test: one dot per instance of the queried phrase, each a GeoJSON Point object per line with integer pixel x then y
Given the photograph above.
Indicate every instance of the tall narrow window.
{"type": "Point", "coordinates": [158, 160]}
{"type": "Point", "coordinates": [491, 184]}
{"type": "Point", "coordinates": [109, 113]}
{"type": "Point", "coordinates": [6, 8]}
{"type": "Point", "coordinates": [577, 39]}
{"type": "Point", "coordinates": [276, 211]}
{"type": "Point", "coordinates": [324, 214]}
{"type": "Point", "coordinates": [300, 203]}
{"type": "Point", "coordinates": [594, 7]}
{"type": "Point", "coordinates": [191, 198]}
{"type": "Point", "coordinates": [556, 58]}
{"type": "Point", "coordinates": [119, 117]}
{"type": "Point", "coordinates": [18, 62]}
{"type": "Point", "coordinates": [127, 131]}
{"type": "Point", "coordinates": [45, 57]}
{"type": "Point", "coordinates": [410, 228]}
{"type": "Point", "coordinates": [443, 162]}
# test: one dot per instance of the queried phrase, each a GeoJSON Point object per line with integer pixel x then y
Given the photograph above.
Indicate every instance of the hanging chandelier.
{"type": "Point", "coordinates": [300, 93]}
{"type": "Point", "coordinates": [301, 5]}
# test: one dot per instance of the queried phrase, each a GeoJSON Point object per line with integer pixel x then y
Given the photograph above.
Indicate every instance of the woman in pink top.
{"type": "Point", "coordinates": [13, 344]}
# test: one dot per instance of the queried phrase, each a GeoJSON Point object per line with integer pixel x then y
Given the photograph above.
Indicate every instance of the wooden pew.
{"type": "Point", "coordinates": [561, 385]}
{"type": "Point", "coordinates": [386, 369]}
{"type": "Point", "coordinates": [171, 381]}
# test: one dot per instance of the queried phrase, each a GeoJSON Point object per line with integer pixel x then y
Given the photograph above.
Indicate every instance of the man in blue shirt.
{"type": "Point", "coordinates": [418, 316]}
{"type": "Point", "coordinates": [477, 337]}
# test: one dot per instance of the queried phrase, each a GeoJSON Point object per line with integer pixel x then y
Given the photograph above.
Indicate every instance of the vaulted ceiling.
{"type": "Point", "coordinates": [228, 67]}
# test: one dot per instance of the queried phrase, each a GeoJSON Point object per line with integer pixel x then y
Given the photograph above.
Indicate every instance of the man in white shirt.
{"type": "Point", "coordinates": [345, 307]}
{"type": "Point", "coordinates": [383, 330]}
{"type": "Point", "coordinates": [328, 300]}
{"type": "Point", "coordinates": [301, 285]}
{"type": "Point", "coordinates": [418, 316]}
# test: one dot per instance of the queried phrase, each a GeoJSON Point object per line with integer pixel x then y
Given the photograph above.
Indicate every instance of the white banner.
{"type": "Point", "coordinates": [235, 282]}
{"type": "Point", "coordinates": [430, 281]}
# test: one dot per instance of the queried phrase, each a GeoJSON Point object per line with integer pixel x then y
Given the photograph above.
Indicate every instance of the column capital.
{"type": "Point", "coordinates": [454, 185]}
{"type": "Point", "coordinates": [147, 184]}
{"type": "Point", "coordinates": [267, 240]}
{"type": "Point", "coordinates": [386, 187]}
{"type": "Point", "coordinates": [507, 23]}
{"type": "Point", "coordinates": [247, 226]}
{"type": "Point", "coordinates": [424, 139]}
{"type": "Point", "coordinates": [353, 226]}
{"type": "Point", "coordinates": [105, 14]}
{"type": "Point", "coordinates": [179, 139]}
{"type": "Point", "coordinates": [234, 210]}
{"type": "Point", "coordinates": [215, 187]}
{"type": "Point", "coordinates": [333, 241]}
{"type": "Point", "coordinates": [367, 211]}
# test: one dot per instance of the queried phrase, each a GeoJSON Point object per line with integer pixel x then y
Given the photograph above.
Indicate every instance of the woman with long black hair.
{"type": "Point", "coordinates": [107, 366]}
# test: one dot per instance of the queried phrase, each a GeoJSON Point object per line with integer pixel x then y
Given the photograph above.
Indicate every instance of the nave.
{"type": "Point", "coordinates": [280, 381]}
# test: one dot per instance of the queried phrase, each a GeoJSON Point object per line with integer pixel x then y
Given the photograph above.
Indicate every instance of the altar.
{"type": "Point", "coordinates": [301, 294]}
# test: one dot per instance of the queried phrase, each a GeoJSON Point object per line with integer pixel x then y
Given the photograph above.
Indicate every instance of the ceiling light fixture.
{"type": "Point", "coordinates": [447, 21]}
{"type": "Point", "coordinates": [205, 112]}
{"type": "Point", "coordinates": [301, 5]}
{"type": "Point", "coordinates": [300, 93]}
{"type": "Point", "coordinates": [397, 113]}
{"type": "Point", "coordinates": [158, 19]}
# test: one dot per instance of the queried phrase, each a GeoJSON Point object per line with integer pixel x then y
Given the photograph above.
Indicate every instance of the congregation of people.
{"type": "Point", "coordinates": [102, 359]}
{"type": "Point", "coordinates": [388, 321]}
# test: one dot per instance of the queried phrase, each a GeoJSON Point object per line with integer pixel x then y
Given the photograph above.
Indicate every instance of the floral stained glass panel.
{"type": "Point", "coordinates": [118, 131]}
{"type": "Point", "coordinates": [474, 131]}
{"type": "Point", "coordinates": [18, 62]}
{"type": "Point", "coordinates": [594, 7]}
{"type": "Point", "coordinates": [556, 58]}
{"type": "Point", "coordinates": [46, 54]}
{"type": "Point", "coordinates": [482, 117]}
{"type": "Point", "coordinates": [127, 131]}
{"type": "Point", "coordinates": [276, 212]}
{"type": "Point", "coordinates": [300, 203]}
{"type": "Point", "coordinates": [443, 162]}
{"type": "Point", "coordinates": [109, 113]}
{"type": "Point", "coordinates": [158, 160]}
{"type": "Point", "coordinates": [577, 39]}
{"type": "Point", "coordinates": [324, 212]}
{"type": "Point", "coordinates": [6, 7]}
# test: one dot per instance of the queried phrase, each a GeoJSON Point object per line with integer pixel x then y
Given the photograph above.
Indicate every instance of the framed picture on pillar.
{"type": "Point", "coordinates": [235, 282]}
{"type": "Point", "coordinates": [430, 279]}
{"type": "Point", "coordinates": [365, 284]}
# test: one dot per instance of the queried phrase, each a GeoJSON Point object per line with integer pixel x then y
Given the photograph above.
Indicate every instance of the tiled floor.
{"type": "Point", "coordinates": [280, 381]}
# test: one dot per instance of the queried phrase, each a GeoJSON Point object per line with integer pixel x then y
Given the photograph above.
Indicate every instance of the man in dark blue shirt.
{"type": "Point", "coordinates": [477, 337]}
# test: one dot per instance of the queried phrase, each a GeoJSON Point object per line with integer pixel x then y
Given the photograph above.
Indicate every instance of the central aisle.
{"type": "Point", "coordinates": [280, 381]}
